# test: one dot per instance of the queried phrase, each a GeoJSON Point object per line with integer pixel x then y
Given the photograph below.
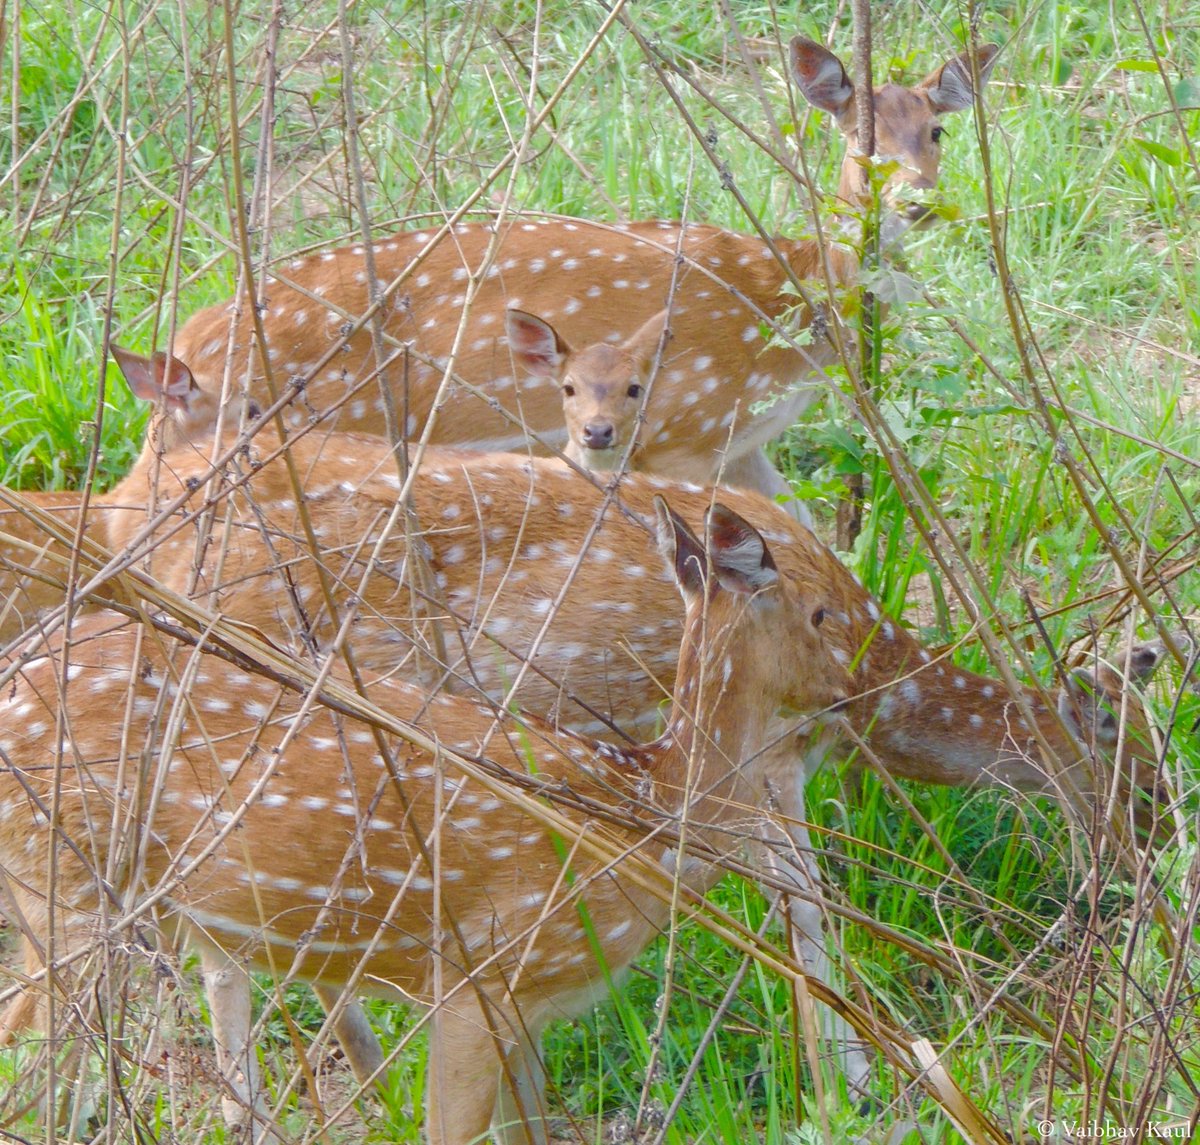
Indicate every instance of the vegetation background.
{"type": "Point", "coordinates": [1036, 414]}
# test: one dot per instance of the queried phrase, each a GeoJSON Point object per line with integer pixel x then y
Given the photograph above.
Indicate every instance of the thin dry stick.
{"type": "Point", "coordinates": [850, 507]}
{"type": "Point", "coordinates": [420, 579]}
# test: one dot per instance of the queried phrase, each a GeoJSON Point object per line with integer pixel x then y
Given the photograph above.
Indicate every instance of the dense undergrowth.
{"type": "Point", "coordinates": [119, 191]}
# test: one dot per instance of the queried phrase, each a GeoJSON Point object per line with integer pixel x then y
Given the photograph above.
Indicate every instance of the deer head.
{"type": "Point", "coordinates": [908, 126]}
{"type": "Point", "coordinates": [603, 386]}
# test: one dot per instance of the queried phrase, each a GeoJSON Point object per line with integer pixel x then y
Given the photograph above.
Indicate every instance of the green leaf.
{"type": "Point", "coordinates": [1187, 92]}
{"type": "Point", "coordinates": [1062, 72]}
{"type": "Point", "coordinates": [1137, 65]}
{"type": "Point", "coordinates": [943, 385]}
{"type": "Point", "coordinates": [946, 211]}
{"type": "Point", "coordinates": [892, 286]}
{"type": "Point", "coordinates": [848, 447]}
{"type": "Point", "coordinates": [1160, 151]}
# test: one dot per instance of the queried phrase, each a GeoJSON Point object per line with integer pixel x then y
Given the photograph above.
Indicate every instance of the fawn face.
{"type": "Point", "coordinates": [603, 386]}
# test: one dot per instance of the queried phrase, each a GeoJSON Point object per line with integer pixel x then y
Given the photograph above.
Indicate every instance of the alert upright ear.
{"type": "Point", "coordinates": [949, 87]}
{"type": "Point", "coordinates": [643, 343]}
{"type": "Point", "coordinates": [682, 552]}
{"type": "Point", "coordinates": [535, 344]}
{"type": "Point", "coordinates": [822, 80]}
{"type": "Point", "coordinates": [740, 556]}
{"type": "Point", "coordinates": [159, 378]}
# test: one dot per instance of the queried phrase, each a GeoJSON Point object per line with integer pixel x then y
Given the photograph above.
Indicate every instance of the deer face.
{"type": "Point", "coordinates": [602, 395]}
{"type": "Point", "coordinates": [603, 385]}
{"type": "Point", "coordinates": [1095, 704]}
{"type": "Point", "coordinates": [908, 128]}
{"type": "Point", "coordinates": [754, 631]}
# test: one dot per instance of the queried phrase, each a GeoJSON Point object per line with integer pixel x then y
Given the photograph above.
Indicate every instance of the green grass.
{"type": "Point", "coordinates": [1099, 198]}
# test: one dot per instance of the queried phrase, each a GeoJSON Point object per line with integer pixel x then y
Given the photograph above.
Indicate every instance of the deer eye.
{"type": "Point", "coordinates": [937, 133]}
{"type": "Point", "coordinates": [818, 617]}
{"type": "Point", "coordinates": [635, 391]}
{"type": "Point", "coordinates": [569, 391]}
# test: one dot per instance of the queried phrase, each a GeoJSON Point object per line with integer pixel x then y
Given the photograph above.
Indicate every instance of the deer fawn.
{"type": "Point", "coordinates": [598, 283]}
{"type": "Point", "coordinates": [294, 839]}
{"type": "Point", "coordinates": [530, 584]}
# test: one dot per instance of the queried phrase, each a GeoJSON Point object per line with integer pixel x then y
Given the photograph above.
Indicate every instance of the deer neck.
{"type": "Point", "coordinates": [805, 259]}
{"type": "Point", "coordinates": [941, 724]}
{"type": "Point", "coordinates": [705, 767]}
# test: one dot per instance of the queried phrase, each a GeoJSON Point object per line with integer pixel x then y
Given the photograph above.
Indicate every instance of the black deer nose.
{"type": "Point", "coordinates": [598, 435]}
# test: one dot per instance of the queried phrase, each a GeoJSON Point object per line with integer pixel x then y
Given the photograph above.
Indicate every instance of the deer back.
{"type": "Point", "coordinates": [530, 562]}
{"type": "Point", "coordinates": [597, 284]}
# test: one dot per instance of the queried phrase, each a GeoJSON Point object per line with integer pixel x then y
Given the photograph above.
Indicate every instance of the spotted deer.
{"type": "Point", "coordinates": [533, 589]}
{"type": "Point", "coordinates": [33, 564]}
{"type": "Point", "coordinates": [297, 840]}
{"type": "Point", "coordinates": [724, 384]}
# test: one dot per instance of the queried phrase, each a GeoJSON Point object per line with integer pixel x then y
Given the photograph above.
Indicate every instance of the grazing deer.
{"type": "Point", "coordinates": [531, 584]}
{"type": "Point", "coordinates": [447, 295]}
{"type": "Point", "coordinates": [296, 840]}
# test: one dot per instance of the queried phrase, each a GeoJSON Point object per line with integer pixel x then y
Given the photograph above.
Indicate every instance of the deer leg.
{"type": "Point", "coordinates": [354, 1034]}
{"type": "Point", "coordinates": [18, 1016]}
{"type": "Point", "coordinates": [520, 1106]}
{"type": "Point", "coordinates": [785, 851]}
{"type": "Point", "coordinates": [228, 988]}
{"type": "Point", "coordinates": [461, 1089]}
{"type": "Point", "coordinates": [28, 1010]}
{"type": "Point", "coordinates": [754, 471]}
{"type": "Point", "coordinates": [22, 1012]}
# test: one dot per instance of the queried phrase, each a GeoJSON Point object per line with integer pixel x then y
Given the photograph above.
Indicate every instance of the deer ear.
{"type": "Point", "coordinates": [739, 554]}
{"type": "Point", "coordinates": [159, 378]}
{"type": "Point", "coordinates": [949, 87]}
{"type": "Point", "coordinates": [643, 344]}
{"type": "Point", "coordinates": [682, 552]}
{"type": "Point", "coordinates": [535, 344]}
{"type": "Point", "coordinates": [821, 78]}
{"type": "Point", "coordinates": [1144, 659]}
